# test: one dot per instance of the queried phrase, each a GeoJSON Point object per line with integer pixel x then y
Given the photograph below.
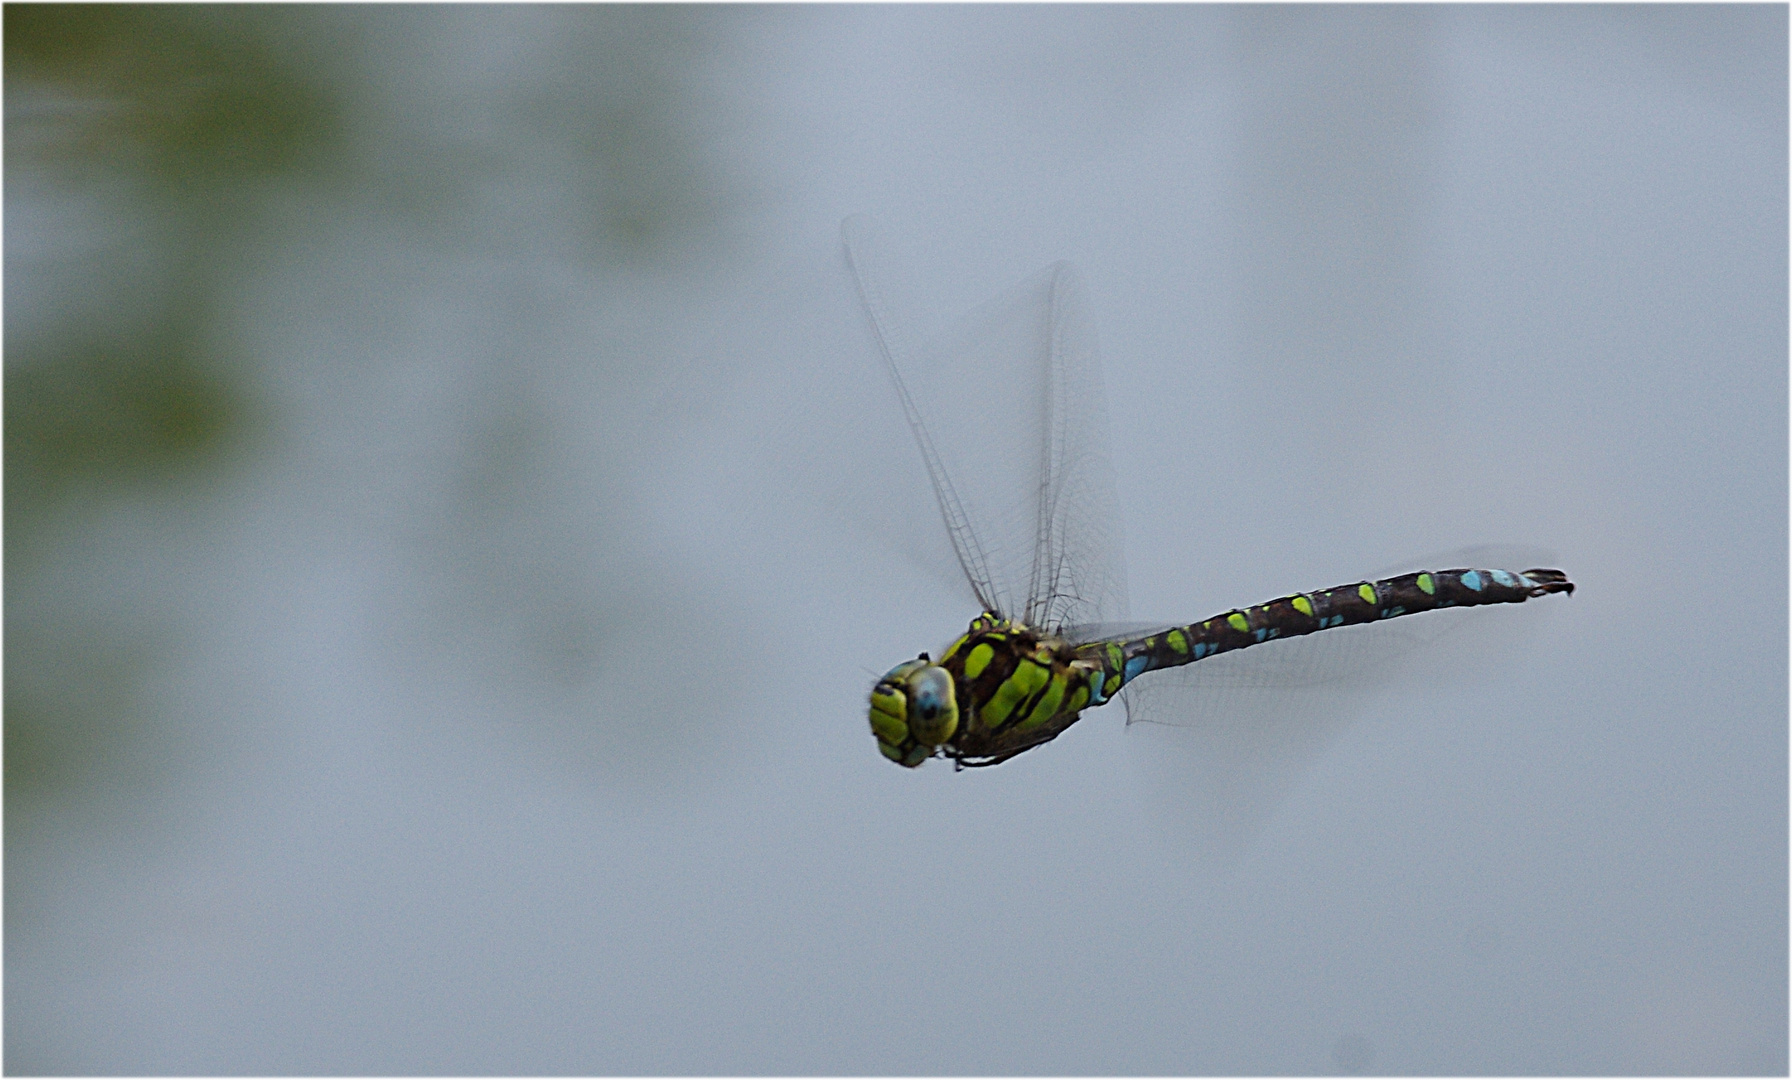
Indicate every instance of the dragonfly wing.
{"type": "Point", "coordinates": [1007, 411]}
{"type": "Point", "coordinates": [1079, 572]}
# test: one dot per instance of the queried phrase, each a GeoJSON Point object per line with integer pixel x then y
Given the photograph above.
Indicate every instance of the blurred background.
{"type": "Point", "coordinates": [454, 516]}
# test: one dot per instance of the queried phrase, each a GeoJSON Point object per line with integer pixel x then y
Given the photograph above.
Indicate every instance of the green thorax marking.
{"type": "Point", "coordinates": [1016, 688]}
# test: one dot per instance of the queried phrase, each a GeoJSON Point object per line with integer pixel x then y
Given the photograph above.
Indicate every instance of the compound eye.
{"type": "Point", "coordinates": [932, 706]}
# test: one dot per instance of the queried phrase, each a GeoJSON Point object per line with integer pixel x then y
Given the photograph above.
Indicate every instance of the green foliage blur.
{"type": "Point", "coordinates": [196, 119]}
{"type": "Point", "coordinates": [193, 118]}
{"type": "Point", "coordinates": [175, 128]}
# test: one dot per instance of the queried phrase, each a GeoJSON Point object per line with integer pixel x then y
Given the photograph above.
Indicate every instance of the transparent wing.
{"type": "Point", "coordinates": [1007, 410]}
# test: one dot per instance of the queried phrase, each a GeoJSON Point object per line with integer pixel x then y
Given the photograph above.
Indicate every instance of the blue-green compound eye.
{"type": "Point", "coordinates": [932, 706]}
{"type": "Point", "coordinates": [914, 710]}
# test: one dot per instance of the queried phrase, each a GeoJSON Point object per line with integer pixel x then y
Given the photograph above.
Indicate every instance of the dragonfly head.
{"type": "Point", "coordinates": [914, 710]}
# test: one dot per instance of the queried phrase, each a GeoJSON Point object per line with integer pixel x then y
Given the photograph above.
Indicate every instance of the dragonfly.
{"type": "Point", "coordinates": [1008, 414]}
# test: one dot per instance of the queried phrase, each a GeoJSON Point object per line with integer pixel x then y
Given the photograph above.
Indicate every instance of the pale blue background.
{"type": "Point", "coordinates": [489, 696]}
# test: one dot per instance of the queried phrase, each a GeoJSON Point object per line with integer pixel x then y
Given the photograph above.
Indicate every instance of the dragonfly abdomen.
{"type": "Point", "coordinates": [1306, 613]}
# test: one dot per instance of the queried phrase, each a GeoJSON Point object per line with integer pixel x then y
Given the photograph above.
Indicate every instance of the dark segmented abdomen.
{"type": "Point", "coordinates": [1305, 613]}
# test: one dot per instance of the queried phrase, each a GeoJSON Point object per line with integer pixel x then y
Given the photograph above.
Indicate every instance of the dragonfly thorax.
{"type": "Point", "coordinates": [1000, 688]}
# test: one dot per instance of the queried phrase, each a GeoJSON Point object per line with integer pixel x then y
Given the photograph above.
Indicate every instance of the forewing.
{"type": "Point", "coordinates": [1079, 570]}
{"type": "Point", "coordinates": [1007, 411]}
